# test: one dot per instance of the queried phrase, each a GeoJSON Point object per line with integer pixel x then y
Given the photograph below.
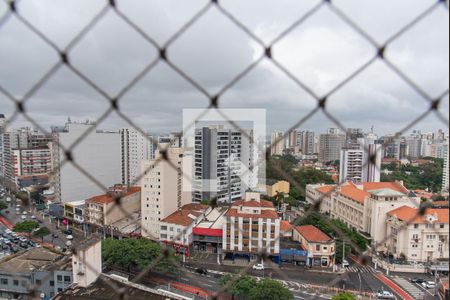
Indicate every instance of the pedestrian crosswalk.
{"type": "Point", "coordinates": [409, 287]}
{"type": "Point", "coordinates": [360, 269]}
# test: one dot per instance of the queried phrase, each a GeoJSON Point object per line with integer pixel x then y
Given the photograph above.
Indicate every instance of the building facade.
{"type": "Point", "coordinates": [135, 147]}
{"type": "Point", "coordinates": [320, 247]}
{"type": "Point", "coordinates": [445, 175]}
{"type": "Point", "coordinates": [277, 143]}
{"type": "Point", "coordinates": [164, 189]}
{"type": "Point", "coordinates": [351, 165]}
{"type": "Point", "coordinates": [98, 154]}
{"type": "Point", "coordinates": [418, 238]}
{"type": "Point", "coordinates": [252, 227]}
{"type": "Point", "coordinates": [330, 145]}
{"type": "Point", "coordinates": [103, 210]}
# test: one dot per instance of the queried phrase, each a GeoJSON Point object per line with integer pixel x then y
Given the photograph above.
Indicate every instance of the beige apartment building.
{"type": "Point", "coordinates": [164, 189]}
{"type": "Point", "coordinates": [273, 188]}
{"type": "Point", "coordinates": [103, 210]}
{"type": "Point", "coordinates": [321, 248]}
{"type": "Point", "coordinates": [361, 206]}
{"type": "Point", "coordinates": [252, 227]}
{"type": "Point", "coordinates": [418, 238]}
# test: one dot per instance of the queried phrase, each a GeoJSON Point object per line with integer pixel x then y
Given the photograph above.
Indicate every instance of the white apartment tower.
{"type": "Point", "coordinates": [306, 141]}
{"type": "Point", "coordinates": [221, 155]}
{"type": "Point", "coordinates": [135, 147]}
{"type": "Point", "coordinates": [445, 174]}
{"type": "Point", "coordinates": [98, 154]}
{"type": "Point", "coordinates": [351, 165]}
{"type": "Point", "coordinates": [277, 143]}
{"type": "Point", "coordinates": [164, 189]}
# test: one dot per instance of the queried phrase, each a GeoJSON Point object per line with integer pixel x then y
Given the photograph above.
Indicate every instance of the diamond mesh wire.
{"type": "Point", "coordinates": [115, 101]}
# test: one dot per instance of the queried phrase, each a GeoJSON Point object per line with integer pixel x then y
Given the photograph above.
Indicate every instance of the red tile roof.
{"type": "Point", "coordinates": [108, 198]}
{"type": "Point", "coordinates": [354, 193]}
{"type": "Point", "coordinates": [410, 215]}
{"type": "Point", "coordinates": [265, 214]}
{"type": "Point", "coordinates": [182, 217]}
{"type": "Point", "coordinates": [253, 203]}
{"type": "Point", "coordinates": [326, 189]}
{"type": "Point", "coordinates": [285, 226]}
{"type": "Point", "coordinates": [396, 186]}
{"type": "Point", "coordinates": [313, 234]}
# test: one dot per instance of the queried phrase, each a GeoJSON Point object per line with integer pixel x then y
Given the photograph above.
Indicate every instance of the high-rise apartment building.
{"type": "Point", "coordinates": [362, 163]}
{"type": "Point", "coordinates": [445, 175]}
{"type": "Point", "coordinates": [330, 145]}
{"type": "Point", "coordinates": [98, 154]}
{"type": "Point", "coordinates": [164, 189]}
{"type": "Point", "coordinates": [221, 156]}
{"type": "Point", "coordinates": [306, 141]}
{"type": "Point", "coordinates": [2, 131]}
{"type": "Point", "coordinates": [351, 165]}
{"type": "Point", "coordinates": [29, 162]}
{"type": "Point", "coordinates": [277, 143]}
{"type": "Point", "coordinates": [135, 147]}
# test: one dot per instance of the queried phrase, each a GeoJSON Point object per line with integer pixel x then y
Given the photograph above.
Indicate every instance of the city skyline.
{"type": "Point", "coordinates": [377, 96]}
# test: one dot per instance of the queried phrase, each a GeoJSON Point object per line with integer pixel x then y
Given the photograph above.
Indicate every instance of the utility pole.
{"type": "Point", "coordinates": [343, 253]}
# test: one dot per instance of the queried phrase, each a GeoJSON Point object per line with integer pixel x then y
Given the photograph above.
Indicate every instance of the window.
{"type": "Point", "coordinates": [38, 282]}
{"type": "Point", "coordinates": [171, 228]}
{"type": "Point", "coordinates": [4, 281]}
{"type": "Point", "coordinates": [163, 227]}
{"type": "Point", "coordinates": [15, 282]}
{"type": "Point", "coordinates": [317, 247]}
{"type": "Point", "coordinates": [59, 278]}
{"type": "Point", "coordinates": [416, 226]}
{"type": "Point", "coordinates": [60, 290]}
{"type": "Point", "coordinates": [442, 226]}
{"type": "Point", "coordinates": [325, 248]}
{"type": "Point", "coordinates": [52, 283]}
{"type": "Point", "coordinates": [164, 236]}
{"type": "Point", "coordinates": [67, 279]}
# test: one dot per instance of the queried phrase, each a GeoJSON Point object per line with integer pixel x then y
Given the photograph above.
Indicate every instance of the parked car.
{"type": "Point", "coordinates": [5, 247]}
{"type": "Point", "coordinates": [258, 267]}
{"type": "Point", "coordinates": [69, 237]}
{"type": "Point", "coordinates": [68, 243]}
{"type": "Point", "coordinates": [23, 239]}
{"type": "Point", "coordinates": [382, 294]}
{"type": "Point", "coordinates": [8, 199]}
{"type": "Point", "coordinates": [202, 271]}
{"type": "Point", "coordinates": [5, 235]}
{"type": "Point", "coordinates": [7, 242]}
{"type": "Point", "coordinates": [428, 284]}
{"type": "Point", "coordinates": [417, 280]}
{"type": "Point", "coordinates": [345, 263]}
{"type": "Point", "coordinates": [24, 245]}
{"type": "Point", "coordinates": [8, 231]}
{"type": "Point", "coordinates": [67, 232]}
{"type": "Point", "coordinates": [33, 217]}
{"type": "Point", "coordinates": [23, 217]}
{"type": "Point", "coordinates": [54, 235]}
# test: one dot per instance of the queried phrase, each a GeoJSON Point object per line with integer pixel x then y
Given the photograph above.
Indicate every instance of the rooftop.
{"type": "Point", "coordinates": [108, 198]}
{"type": "Point", "coordinates": [253, 203]}
{"type": "Point", "coordinates": [100, 289]}
{"type": "Point", "coordinates": [33, 259]}
{"type": "Point", "coordinates": [285, 226]}
{"type": "Point", "coordinates": [186, 214]}
{"type": "Point", "coordinates": [313, 234]}
{"type": "Point", "coordinates": [410, 215]}
{"type": "Point", "coordinates": [265, 214]}
{"type": "Point", "coordinates": [386, 192]}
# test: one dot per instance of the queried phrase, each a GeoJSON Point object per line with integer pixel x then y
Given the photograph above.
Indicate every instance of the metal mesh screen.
{"type": "Point", "coordinates": [12, 11]}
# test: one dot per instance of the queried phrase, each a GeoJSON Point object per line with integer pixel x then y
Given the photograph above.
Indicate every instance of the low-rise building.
{"type": "Point", "coordinates": [103, 210]}
{"type": "Point", "coordinates": [252, 228]}
{"type": "Point", "coordinates": [320, 247]}
{"type": "Point", "coordinates": [176, 229]}
{"type": "Point", "coordinates": [46, 271]}
{"type": "Point", "coordinates": [286, 229]}
{"type": "Point", "coordinates": [418, 238]}
{"type": "Point", "coordinates": [208, 233]}
{"type": "Point", "coordinates": [275, 187]}
{"type": "Point", "coordinates": [74, 211]}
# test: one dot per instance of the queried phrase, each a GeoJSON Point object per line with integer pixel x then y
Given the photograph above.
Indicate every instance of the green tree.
{"type": "Point", "coordinates": [137, 253]}
{"type": "Point", "coordinates": [41, 233]}
{"type": "Point", "coordinates": [240, 287]}
{"type": "Point", "coordinates": [344, 296]}
{"type": "Point", "coordinates": [3, 205]}
{"type": "Point", "coordinates": [26, 226]}
{"type": "Point", "coordinates": [269, 289]}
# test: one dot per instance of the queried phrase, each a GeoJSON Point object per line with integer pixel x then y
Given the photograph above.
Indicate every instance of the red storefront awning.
{"type": "Point", "coordinates": [207, 231]}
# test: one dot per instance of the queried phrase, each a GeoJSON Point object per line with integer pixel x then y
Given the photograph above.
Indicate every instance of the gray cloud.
{"type": "Point", "coordinates": [321, 52]}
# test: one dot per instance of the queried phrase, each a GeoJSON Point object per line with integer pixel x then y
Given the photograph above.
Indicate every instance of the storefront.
{"type": "Point", "coordinates": [207, 240]}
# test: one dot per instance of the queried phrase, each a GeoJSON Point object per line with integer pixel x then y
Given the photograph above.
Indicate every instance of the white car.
{"type": "Point", "coordinates": [8, 231]}
{"type": "Point", "coordinates": [345, 263]}
{"type": "Point", "coordinates": [258, 267]}
{"type": "Point", "coordinates": [33, 217]}
{"type": "Point", "coordinates": [69, 237]}
{"type": "Point", "coordinates": [428, 284]}
{"type": "Point", "coordinates": [68, 243]}
{"type": "Point", "coordinates": [8, 199]}
{"type": "Point", "coordinates": [381, 294]}
{"type": "Point", "coordinates": [24, 213]}
{"type": "Point", "coordinates": [23, 217]}
{"type": "Point", "coordinates": [23, 239]}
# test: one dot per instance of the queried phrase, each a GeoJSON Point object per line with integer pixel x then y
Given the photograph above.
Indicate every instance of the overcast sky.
{"type": "Point", "coordinates": [321, 53]}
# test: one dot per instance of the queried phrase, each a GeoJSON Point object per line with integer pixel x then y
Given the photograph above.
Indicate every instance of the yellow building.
{"type": "Point", "coordinates": [273, 188]}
